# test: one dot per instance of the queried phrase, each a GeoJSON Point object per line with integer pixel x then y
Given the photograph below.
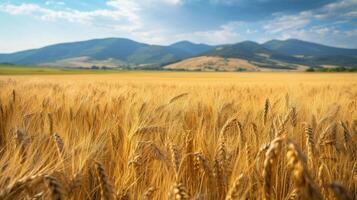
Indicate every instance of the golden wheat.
{"type": "Point", "coordinates": [211, 136]}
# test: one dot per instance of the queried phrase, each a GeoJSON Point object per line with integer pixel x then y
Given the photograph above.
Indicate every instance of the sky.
{"type": "Point", "coordinates": [27, 24]}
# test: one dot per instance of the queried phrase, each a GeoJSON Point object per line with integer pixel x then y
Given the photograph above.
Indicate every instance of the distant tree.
{"type": "Point", "coordinates": [310, 69]}
{"type": "Point", "coordinates": [336, 69]}
{"type": "Point", "coordinates": [6, 63]}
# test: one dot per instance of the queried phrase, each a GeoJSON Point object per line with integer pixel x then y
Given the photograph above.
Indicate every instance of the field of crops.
{"type": "Point", "coordinates": [8, 69]}
{"type": "Point", "coordinates": [179, 136]}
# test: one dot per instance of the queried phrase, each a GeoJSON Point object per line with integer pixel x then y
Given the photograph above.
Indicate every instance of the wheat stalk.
{"type": "Point", "coordinates": [340, 191]}
{"type": "Point", "coordinates": [50, 120]}
{"type": "Point", "coordinates": [271, 157]}
{"type": "Point", "coordinates": [221, 153]}
{"type": "Point", "coordinates": [17, 187]}
{"type": "Point", "coordinates": [105, 185]}
{"type": "Point", "coordinates": [74, 183]}
{"type": "Point", "coordinates": [236, 188]}
{"type": "Point", "coordinates": [179, 192]}
{"type": "Point", "coordinates": [55, 188]}
{"type": "Point", "coordinates": [354, 171]}
{"type": "Point", "coordinates": [201, 164]}
{"type": "Point", "coordinates": [175, 158]}
{"type": "Point", "coordinates": [304, 183]}
{"type": "Point", "coordinates": [148, 194]}
{"type": "Point", "coordinates": [59, 143]}
{"type": "Point", "coordinates": [293, 116]}
{"type": "Point", "coordinates": [233, 122]}
{"type": "Point", "coordinates": [322, 177]}
{"type": "Point", "coordinates": [346, 132]}
{"type": "Point", "coordinates": [13, 96]}
{"type": "Point", "coordinates": [310, 144]}
{"type": "Point", "coordinates": [266, 110]}
{"type": "Point", "coordinates": [173, 99]}
{"type": "Point", "coordinates": [37, 196]}
{"type": "Point", "coordinates": [294, 195]}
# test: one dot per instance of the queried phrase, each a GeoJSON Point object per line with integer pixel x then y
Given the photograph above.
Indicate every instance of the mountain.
{"type": "Point", "coordinates": [314, 54]}
{"type": "Point", "coordinates": [98, 48]}
{"type": "Point", "coordinates": [299, 47]}
{"type": "Point", "coordinates": [256, 54]}
{"type": "Point", "coordinates": [247, 50]}
{"type": "Point", "coordinates": [192, 48]}
{"type": "Point", "coordinates": [118, 49]}
{"type": "Point", "coordinates": [289, 54]}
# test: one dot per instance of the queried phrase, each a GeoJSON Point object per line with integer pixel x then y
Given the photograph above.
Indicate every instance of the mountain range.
{"type": "Point", "coordinates": [291, 54]}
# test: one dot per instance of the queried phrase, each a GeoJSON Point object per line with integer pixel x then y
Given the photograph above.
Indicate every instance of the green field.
{"type": "Point", "coordinates": [8, 69]}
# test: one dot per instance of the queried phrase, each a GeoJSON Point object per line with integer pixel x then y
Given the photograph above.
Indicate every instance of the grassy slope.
{"type": "Point", "coordinates": [29, 70]}
{"type": "Point", "coordinates": [206, 63]}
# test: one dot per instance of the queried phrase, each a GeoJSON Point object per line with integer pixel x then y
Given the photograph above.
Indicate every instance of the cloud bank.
{"type": "Point", "coordinates": [331, 23]}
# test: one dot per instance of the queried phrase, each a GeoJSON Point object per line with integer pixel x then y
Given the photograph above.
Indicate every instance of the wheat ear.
{"type": "Point", "coordinates": [271, 157]}
{"type": "Point", "coordinates": [55, 188]}
{"type": "Point", "coordinates": [304, 183]}
{"type": "Point", "coordinates": [340, 191]}
{"type": "Point", "coordinates": [105, 185]}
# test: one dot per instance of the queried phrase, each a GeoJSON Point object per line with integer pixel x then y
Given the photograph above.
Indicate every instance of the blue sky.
{"type": "Point", "coordinates": [36, 23]}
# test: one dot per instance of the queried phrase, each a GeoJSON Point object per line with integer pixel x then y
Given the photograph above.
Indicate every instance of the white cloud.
{"type": "Point", "coordinates": [220, 36]}
{"type": "Point", "coordinates": [226, 33]}
{"type": "Point", "coordinates": [315, 32]}
{"type": "Point", "coordinates": [123, 14]}
{"type": "Point", "coordinates": [125, 18]}
{"type": "Point", "coordinates": [351, 14]}
{"type": "Point", "coordinates": [343, 8]}
{"type": "Point", "coordinates": [340, 5]}
{"type": "Point", "coordinates": [173, 2]}
{"type": "Point", "coordinates": [325, 35]}
{"type": "Point", "coordinates": [352, 33]}
{"type": "Point", "coordinates": [59, 3]}
{"type": "Point", "coordinates": [286, 23]}
{"type": "Point", "coordinates": [21, 9]}
{"type": "Point", "coordinates": [301, 25]}
{"type": "Point", "coordinates": [250, 31]}
{"type": "Point", "coordinates": [123, 11]}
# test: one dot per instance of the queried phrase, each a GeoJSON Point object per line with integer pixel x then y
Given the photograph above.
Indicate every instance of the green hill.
{"type": "Point", "coordinates": [192, 48]}
{"type": "Point", "coordinates": [299, 47]}
{"type": "Point", "coordinates": [314, 54]}
{"type": "Point", "coordinates": [99, 49]}
{"type": "Point", "coordinates": [287, 54]}
{"type": "Point", "coordinates": [125, 53]}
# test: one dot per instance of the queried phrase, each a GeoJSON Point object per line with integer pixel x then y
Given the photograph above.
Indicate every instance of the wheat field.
{"type": "Point", "coordinates": [151, 135]}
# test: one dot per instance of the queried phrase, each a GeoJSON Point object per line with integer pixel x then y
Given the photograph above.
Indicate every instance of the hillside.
{"type": "Point", "coordinates": [121, 50]}
{"type": "Point", "coordinates": [299, 47]}
{"type": "Point", "coordinates": [98, 49]}
{"type": "Point", "coordinates": [192, 48]}
{"type": "Point", "coordinates": [124, 53]}
{"type": "Point", "coordinates": [314, 54]}
{"type": "Point", "coordinates": [215, 63]}
{"type": "Point", "coordinates": [255, 53]}
{"type": "Point", "coordinates": [287, 54]}
{"type": "Point", "coordinates": [206, 63]}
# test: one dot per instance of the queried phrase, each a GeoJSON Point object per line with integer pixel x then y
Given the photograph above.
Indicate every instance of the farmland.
{"type": "Point", "coordinates": [9, 69]}
{"type": "Point", "coordinates": [178, 135]}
